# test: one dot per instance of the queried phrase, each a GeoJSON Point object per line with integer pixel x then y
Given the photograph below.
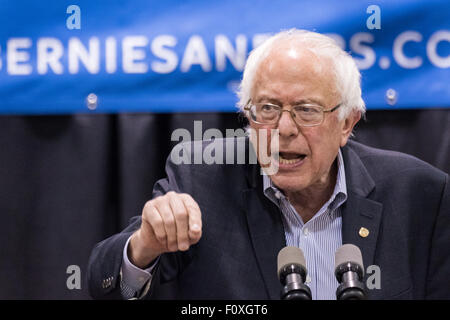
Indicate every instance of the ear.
{"type": "Point", "coordinates": [348, 125]}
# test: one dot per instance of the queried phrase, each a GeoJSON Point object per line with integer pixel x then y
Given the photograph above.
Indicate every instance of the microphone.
{"type": "Point", "coordinates": [349, 272]}
{"type": "Point", "coordinates": [292, 274]}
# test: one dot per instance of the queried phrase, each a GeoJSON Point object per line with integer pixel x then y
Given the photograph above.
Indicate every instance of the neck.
{"type": "Point", "coordinates": [307, 202]}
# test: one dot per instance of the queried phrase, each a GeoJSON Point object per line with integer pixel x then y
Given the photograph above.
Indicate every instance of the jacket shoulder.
{"type": "Point", "coordinates": [383, 163]}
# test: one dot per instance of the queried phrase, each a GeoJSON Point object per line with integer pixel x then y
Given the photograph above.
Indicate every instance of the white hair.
{"type": "Point", "coordinates": [347, 76]}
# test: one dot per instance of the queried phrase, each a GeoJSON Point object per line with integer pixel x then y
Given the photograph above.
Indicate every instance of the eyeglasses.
{"type": "Point", "coordinates": [306, 115]}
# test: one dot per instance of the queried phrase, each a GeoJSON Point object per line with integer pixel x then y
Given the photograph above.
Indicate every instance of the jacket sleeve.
{"type": "Point", "coordinates": [106, 257]}
{"type": "Point", "coordinates": [438, 279]}
{"type": "Point", "coordinates": [105, 262]}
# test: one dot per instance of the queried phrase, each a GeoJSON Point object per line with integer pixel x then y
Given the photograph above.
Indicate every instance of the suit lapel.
{"type": "Point", "coordinates": [359, 211]}
{"type": "Point", "coordinates": [266, 231]}
{"type": "Point", "coordinates": [267, 235]}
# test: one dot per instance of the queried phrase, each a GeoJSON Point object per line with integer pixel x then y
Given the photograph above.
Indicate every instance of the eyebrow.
{"type": "Point", "coordinates": [295, 103]}
{"type": "Point", "coordinates": [267, 99]}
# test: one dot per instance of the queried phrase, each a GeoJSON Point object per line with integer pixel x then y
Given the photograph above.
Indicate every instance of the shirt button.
{"type": "Point", "coordinates": [305, 231]}
{"type": "Point", "coordinates": [278, 195]}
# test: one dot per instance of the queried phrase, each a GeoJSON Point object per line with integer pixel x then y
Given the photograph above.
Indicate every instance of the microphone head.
{"type": "Point", "coordinates": [348, 253]}
{"type": "Point", "coordinates": [349, 272]}
{"type": "Point", "coordinates": [289, 256]}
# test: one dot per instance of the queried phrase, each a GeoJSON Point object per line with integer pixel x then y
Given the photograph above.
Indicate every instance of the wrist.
{"type": "Point", "coordinates": [138, 255]}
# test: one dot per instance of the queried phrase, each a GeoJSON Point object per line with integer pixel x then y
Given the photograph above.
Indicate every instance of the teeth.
{"type": "Point", "coordinates": [284, 161]}
{"type": "Point", "coordinates": [289, 161]}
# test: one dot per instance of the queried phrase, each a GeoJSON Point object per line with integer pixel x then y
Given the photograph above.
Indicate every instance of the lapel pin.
{"type": "Point", "coordinates": [363, 232]}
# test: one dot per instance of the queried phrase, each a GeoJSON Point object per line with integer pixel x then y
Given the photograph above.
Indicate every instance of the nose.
{"type": "Point", "coordinates": [286, 125]}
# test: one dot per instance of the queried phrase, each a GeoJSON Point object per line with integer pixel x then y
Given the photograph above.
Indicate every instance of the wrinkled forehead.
{"type": "Point", "coordinates": [292, 62]}
{"type": "Point", "coordinates": [296, 58]}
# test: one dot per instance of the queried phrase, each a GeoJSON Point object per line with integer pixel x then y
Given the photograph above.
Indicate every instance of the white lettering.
{"type": "Point", "coordinates": [73, 21]}
{"type": "Point", "coordinates": [213, 152]}
{"type": "Point", "coordinates": [195, 53]}
{"type": "Point", "coordinates": [399, 56]}
{"type": "Point", "coordinates": [374, 280]}
{"type": "Point", "coordinates": [230, 146]}
{"type": "Point", "coordinates": [131, 53]}
{"type": "Point", "coordinates": [194, 310]}
{"type": "Point", "coordinates": [111, 55]}
{"type": "Point", "coordinates": [224, 49]}
{"type": "Point", "coordinates": [374, 21]}
{"type": "Point", "coordinates": [259, 38]}
{"type": "Point", "coordinates": [178, 154]}
{"type": "Point", "coordinates": [267, 151]}
{"type": "Point", "coordinates": [46, 58]}
{"type": "Point", "coordinates": [198, 146]}
{"type": "Point", "coordinates": [435, 59]}
{"type": "Point", "coordinates": [90, 58]}
{"type": "Point", "coordinates": [367, 52]}
{"type": "Point", "coordinates": [74, 280]}
{"type": "Point", "coordinates": [160, 50]}
{"type": "Point", "coordinates": [338, 39]}
{"type": "Point", "coordinates": [16, 59]}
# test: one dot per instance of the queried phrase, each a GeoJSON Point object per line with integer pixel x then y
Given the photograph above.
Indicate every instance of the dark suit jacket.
{"type": "Point", "coordinates": [402, 201]}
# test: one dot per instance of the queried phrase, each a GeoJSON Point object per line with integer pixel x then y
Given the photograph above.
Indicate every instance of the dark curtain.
{"type": "Point", "coordinates": [67, 182]}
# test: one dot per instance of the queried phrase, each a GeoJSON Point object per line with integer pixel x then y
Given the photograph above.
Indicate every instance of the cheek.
{"type": "Point", "coordinates": [323, 145]}
{"type": "Point", "coordinates": [261, 137]}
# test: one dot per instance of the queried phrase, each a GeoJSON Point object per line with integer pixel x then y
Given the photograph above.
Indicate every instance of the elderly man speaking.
{"type": "Point", "coordinates": [214, 231]}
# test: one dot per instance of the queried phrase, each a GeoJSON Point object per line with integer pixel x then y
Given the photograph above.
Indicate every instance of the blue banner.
{"type": "Point", "coordinates": [61, 57]}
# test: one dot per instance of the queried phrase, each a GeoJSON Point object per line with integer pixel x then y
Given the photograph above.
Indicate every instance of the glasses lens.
{"type": "Point", "coordinates": [304, 115]}
{"type": "Point", "coordinates": [308, 115]}
{"type": "Point", "coordinates": [265, 113]}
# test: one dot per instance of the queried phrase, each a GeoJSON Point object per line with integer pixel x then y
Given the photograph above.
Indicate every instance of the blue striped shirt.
{"type": "Point", "coordinates": [319, 238]}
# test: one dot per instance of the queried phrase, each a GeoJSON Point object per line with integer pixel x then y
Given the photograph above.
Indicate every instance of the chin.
{"type": "Point", "coordinates": [288, 183]}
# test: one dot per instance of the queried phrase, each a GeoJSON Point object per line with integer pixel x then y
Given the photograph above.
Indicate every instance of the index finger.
{"type": "Point", "coordinates": [195, 218]}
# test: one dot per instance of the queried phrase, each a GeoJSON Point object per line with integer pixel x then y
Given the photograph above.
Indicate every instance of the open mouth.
{"type": "Point", "coordinates": [291, 158]}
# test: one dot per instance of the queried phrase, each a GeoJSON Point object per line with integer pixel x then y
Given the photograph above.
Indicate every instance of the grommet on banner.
{"type": "Point", "coordinates": [391, 97]}
{"type": "Point", "coordinates": [92, 101]}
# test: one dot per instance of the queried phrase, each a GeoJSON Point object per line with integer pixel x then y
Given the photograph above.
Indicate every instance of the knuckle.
{"type": "Point", "coordinates": [185, 196]}
{"type": "Point", "coordinates": [169, 222]}
{"type": "Point", "coordinates": [198, 238]}
{"type": "Point", "coordinates": [148, 216]}
{"type": "Point", "coordinates": [158, 225]}
{"type": "Point", "coordinates": [180, 214]}
{"type": "Point", "coordinates": [172, 243]}
{"type": "Point", "coordinates": [192, 207]}
{"type": "Point", "coordinates": [194, 240]}
{"type": "Point", "coordinates": [170, 194]}
{"type": "Point", "coordinates": [148, 206]}
{"type": "Point", "coordinates": [195, 233]}
{"type": "Point", "coordinates": [153, 204]}
{"type": "Point", "coordinates": [161, 237]}
{"type": "Point", "coordinates": [182, 236]}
